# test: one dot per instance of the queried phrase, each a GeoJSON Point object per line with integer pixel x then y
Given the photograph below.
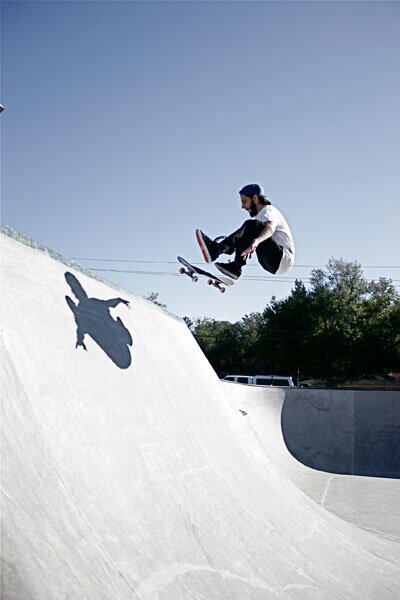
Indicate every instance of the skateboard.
{"type": "Point", "coordinates": [221, 283]}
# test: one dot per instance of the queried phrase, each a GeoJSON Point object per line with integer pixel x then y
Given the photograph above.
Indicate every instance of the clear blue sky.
{"type": "Point", "coordinates": [129, 124]}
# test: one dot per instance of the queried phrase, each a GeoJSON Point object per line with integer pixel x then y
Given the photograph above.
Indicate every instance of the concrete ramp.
{"type": "Point", "coordinates": [297, 419]}
{"type": "Point", "coordinates": [128, 471]}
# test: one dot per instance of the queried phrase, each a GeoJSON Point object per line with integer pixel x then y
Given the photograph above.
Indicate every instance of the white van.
{"type": "Point", "coordinates": [271, 380]}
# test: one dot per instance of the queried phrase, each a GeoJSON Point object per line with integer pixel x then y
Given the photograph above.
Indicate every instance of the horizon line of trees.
{"type": "Point", "coordinates": [341, 326]}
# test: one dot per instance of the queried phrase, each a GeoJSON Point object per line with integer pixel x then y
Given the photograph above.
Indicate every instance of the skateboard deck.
{"type": "Point", "coordinates": [221, 283]}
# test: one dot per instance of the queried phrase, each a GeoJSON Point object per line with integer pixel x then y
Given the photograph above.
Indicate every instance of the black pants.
{"type": "Point", "coordinates": [269, 253]}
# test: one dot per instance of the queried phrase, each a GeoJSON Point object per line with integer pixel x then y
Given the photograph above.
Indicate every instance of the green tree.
{"type": "Point", "coordinates": [377, 351]}
{"type": "Point", "coordinates": [337, 294]}
{"type": "Point", "coordinates": [230, 347]}
{"type": "Point", "coordinates": [342, 326]}
{"type": "Point", "coordinates": [286, 327]}
{"type": "Point", "coordinates": [354, 335]}
{"type": "Point", "coordinates": [217, 340]}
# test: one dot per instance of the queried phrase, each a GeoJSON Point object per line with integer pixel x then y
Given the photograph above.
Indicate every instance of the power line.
{"type": "Point", "coordinates": [254, 278]}
{"type": "Point", "coordinates": [173, 274]}
{"type": "Point", "coordinates": [171, 262]}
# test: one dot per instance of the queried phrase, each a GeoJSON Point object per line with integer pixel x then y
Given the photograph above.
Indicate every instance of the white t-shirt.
{"type": "Point", "coordinates": [282, 235]}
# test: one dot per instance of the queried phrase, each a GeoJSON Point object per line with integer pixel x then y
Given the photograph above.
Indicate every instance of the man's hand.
{"type": "Point", "coordinates": [248, 253]}
{"type": "Point", "coordinates": [126, 302]}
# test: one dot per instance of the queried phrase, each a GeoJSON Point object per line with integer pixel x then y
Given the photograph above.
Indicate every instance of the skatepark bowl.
{"type": "Point", "coordinates": [130, 471]}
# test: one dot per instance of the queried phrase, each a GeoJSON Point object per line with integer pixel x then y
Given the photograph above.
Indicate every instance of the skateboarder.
{"type": "Point", "coordinates": [266, 233]}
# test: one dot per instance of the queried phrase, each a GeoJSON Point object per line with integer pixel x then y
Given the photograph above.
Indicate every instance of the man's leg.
{"type": "Point", "coordinates": [236, 243]}
{"type": "Point", "coordinates": [241, 239]}
{"type": "Point", "coordinates": [269, 255]}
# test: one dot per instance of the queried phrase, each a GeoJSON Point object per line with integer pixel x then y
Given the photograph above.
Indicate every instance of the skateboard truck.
{"type": "Point", "coordinates": [195, 272]}
{"type": "Point", "coordinates": [217, 285]}
{"type": "Point", "coordinates": [194, 278]}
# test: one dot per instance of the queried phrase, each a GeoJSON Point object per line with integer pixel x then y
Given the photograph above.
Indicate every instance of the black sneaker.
{"type": "Point", "coordinates": [210, 248]}
{"type": "Point", "coordinates": [231, 269]}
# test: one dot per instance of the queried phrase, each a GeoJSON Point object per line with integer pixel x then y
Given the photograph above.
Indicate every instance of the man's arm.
{"type": "Point", "coordinates": [266, 233]}
{"type": "Point", "coordinates": [115, 301]}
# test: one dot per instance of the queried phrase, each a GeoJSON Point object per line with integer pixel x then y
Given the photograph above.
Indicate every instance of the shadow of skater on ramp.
{"type": "Point", "coordinates": [93, 317]}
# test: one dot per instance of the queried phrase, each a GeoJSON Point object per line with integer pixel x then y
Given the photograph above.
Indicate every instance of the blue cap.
{"type": "Point", "coordinates": [252, 189]}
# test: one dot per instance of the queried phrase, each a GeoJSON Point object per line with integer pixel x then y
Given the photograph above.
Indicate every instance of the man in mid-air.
{"type": "Point", "coordinates": [266, 233]}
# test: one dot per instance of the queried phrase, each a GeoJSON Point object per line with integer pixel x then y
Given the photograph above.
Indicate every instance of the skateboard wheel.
{"type": "Point", "coordinates": [182, 271]}
{"type": "Point", "coordinates": [209, 281]}
{"type": "Point", "coordinates": [222, 290]}
{"type": "Point", "coordinates": [195, 279]}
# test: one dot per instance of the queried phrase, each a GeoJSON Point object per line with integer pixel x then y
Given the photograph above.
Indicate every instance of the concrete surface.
{"type": "Point", "coordinates": [275, 419]}
{"type": "Point", "coordinates": [128, 470]}
{"type": "Point", "coordinates": [348, 432]}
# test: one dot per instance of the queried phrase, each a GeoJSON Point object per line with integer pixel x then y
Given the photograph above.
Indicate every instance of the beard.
{"type": "Point", "coordinates": [253, 209]}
